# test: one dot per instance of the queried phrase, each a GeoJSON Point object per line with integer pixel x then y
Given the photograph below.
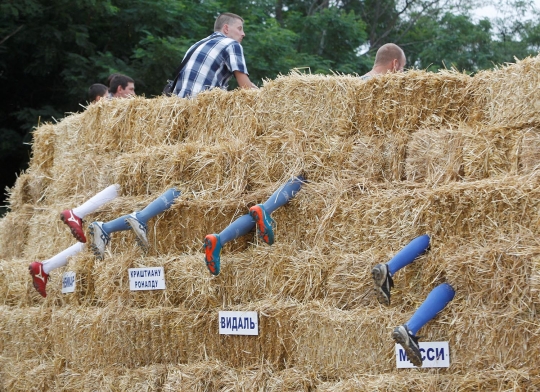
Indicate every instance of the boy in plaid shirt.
{"type": "Point", "coordinates": [216, 59]}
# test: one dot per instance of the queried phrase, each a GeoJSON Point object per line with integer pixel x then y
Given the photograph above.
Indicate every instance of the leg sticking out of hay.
{"type": "Point", "coordinates": [100, 232]}
{"type": "Point", "coordinates": [405, 334]}
{"type": "Point", "coordinates": [40, 270]}
{"type": "Point", "coordinates": [259, 216]}
{"type": "Point", "coordinates": [74, 218]}
{"type": "Point", "coordinates": [382, 273]}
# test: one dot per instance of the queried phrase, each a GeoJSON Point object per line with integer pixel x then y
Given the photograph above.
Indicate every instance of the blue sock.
{"type": "Point", "coordinates": [161, 204]}
{"type": "Point", "coordinates": [238, 228]}
{"type": "Point", "coordinates": [408, 254]}
{"type": "Point", "coordinates": [433, 304]}
{"type": "Point", "coordinates": [285, 193]}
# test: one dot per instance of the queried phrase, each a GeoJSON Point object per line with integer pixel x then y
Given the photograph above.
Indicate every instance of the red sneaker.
{"type": "Point", "coordinates": [74, 223]}
{"type": "Point", "coordinates": [39, 278]}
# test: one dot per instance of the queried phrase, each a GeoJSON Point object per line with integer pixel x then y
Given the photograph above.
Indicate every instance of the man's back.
{"type": "Point", "coordinates": [212, 64]}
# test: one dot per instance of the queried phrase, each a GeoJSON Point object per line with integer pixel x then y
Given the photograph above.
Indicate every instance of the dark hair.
{"type": "Point", "coordinates": [96, 90]}
{"type": "Point", "coordinates": [111, 77]}
{"type": "Point", "coordinates": [225, 18]}
{"type": "Point", "coordinates": [119, 80]}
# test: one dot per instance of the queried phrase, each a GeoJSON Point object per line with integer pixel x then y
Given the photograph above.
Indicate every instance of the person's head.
{"type": "Point", "coordinates": [122, 86]}
{"type": "Point", "coordinates": [231, 25]}
{"type": "Point", "coordinates": [96, 92]}
{"type": "Point", "coordinates": [389, 58]}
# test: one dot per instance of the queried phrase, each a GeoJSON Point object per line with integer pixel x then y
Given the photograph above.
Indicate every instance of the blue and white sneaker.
{"type": "Point", "coordinates": [100, 239]}
{"type": "Point", "coordinates": [140, 230]}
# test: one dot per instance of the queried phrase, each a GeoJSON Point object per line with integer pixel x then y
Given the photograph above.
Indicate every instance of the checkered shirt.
{"type": "Point", "coordinates": [211, 65]}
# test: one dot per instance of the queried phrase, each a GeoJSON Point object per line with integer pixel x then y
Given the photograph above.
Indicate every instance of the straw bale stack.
{"type": "Point", "coordinates": [387, 160]}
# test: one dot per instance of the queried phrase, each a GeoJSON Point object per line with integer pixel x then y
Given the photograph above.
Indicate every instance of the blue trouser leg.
{"type": "Point", "coordinates": [285, 193]}
{"type": "Point", "coordinates": [238, 228]}
{"type": "Point", "coordinates": [118, 224]}
{"type": "Point", "coordinates": [161, 204]}
{"type": "Point", "coordinates": [408, 254]}
{"type": "Point", "coordinates": [156, 207]}
{"type": "Point", "coordinates": [245, 223]}
{"type": "Point", "coordinates": [433, 304]}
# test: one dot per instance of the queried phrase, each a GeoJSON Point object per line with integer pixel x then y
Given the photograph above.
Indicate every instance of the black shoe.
{"type": "Point", "coordinates": [383, 283]}
{"type": "Point", "coordinates": [409, 342]}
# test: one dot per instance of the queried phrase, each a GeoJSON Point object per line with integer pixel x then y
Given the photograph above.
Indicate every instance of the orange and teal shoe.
{"type": "Point", "coordinates": [212, 253]}
{"type": "Point", "coordinates": [265, 224]}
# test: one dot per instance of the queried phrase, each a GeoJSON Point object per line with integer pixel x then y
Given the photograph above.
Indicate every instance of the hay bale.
{"type": "Point", "coordinates": [410, 381]}
{"type": "Point", "coordinates": [319, 104]}
{"type": "Point", "coordinates": [21, 328]}
{"type": "Point", "coordinates": [191, 166]}
{"type": "Point", "coordinates": [435, 156]}
{"type": "Point", "coordinates": [217, 116]}
{"type": "Point", "coordinates": [80, 176]}
{"type": "Point", "coordinates": [15, 227]}
{"type": "Point", "coordinates": [405, 102]}
{"type": "Point", "coordinates": [529, 151]}
{"type": "Point", "coordinates": [28, 375]}
{"type": "Point", "coordinates": [133, 337]}
{"type": "Point", "coordinates": [124, 125]}
{"type": "Point", "coordinates": [510, 93]}
{"type": "Point", "coordinates": [490, 152]}
{"type": "Point", "coordinates": [43, 148]}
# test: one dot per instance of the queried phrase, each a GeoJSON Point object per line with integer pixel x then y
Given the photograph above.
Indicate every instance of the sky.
{"type": "Point", "coordinates": [493, 12]}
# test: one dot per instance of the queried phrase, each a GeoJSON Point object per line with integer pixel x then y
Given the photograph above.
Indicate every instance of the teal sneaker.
{"type": "Point", "coordinates": [265, 224]}
{"type": "Point", "coordinates": [212, 253]}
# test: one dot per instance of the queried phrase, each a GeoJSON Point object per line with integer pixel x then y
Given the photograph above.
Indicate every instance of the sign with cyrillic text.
{"type": "Point", "coordinates": [238, 323]}
{"type": "Point", "coordinates": [148, 278]}
{"type": "Point", "coordinates": [434, 355]}
{"type": "Point", "coordinates": [68, 282]}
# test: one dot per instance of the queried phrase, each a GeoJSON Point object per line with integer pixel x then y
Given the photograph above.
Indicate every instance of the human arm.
{"type": "Point", "coordinates": [243, 80]}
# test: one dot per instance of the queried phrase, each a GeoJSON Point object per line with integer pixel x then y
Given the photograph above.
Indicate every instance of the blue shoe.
{"type": "Point", "coordinates": [212, 253]}
{"type": "Point", "coordinates": [265, 224]}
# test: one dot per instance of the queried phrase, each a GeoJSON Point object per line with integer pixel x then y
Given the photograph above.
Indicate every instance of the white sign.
{"type": "Point", "coordinates": [434, 355]}
{"type": "Point", "coordinates": [68, 282]}
{"type": "Point", "coordinates": [148, 278]}
{"type": "Point", "coordinates": [238, 323]}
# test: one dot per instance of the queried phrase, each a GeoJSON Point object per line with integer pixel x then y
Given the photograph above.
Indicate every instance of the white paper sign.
{"type": "Point", "coordinates": [68, 282]}
{"type": "Point", "coordinates": [238, 323]}
{"type": "Point", "coordinates": [434, 355]}
{"type": "Point", "coordinates": [148, 278]}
